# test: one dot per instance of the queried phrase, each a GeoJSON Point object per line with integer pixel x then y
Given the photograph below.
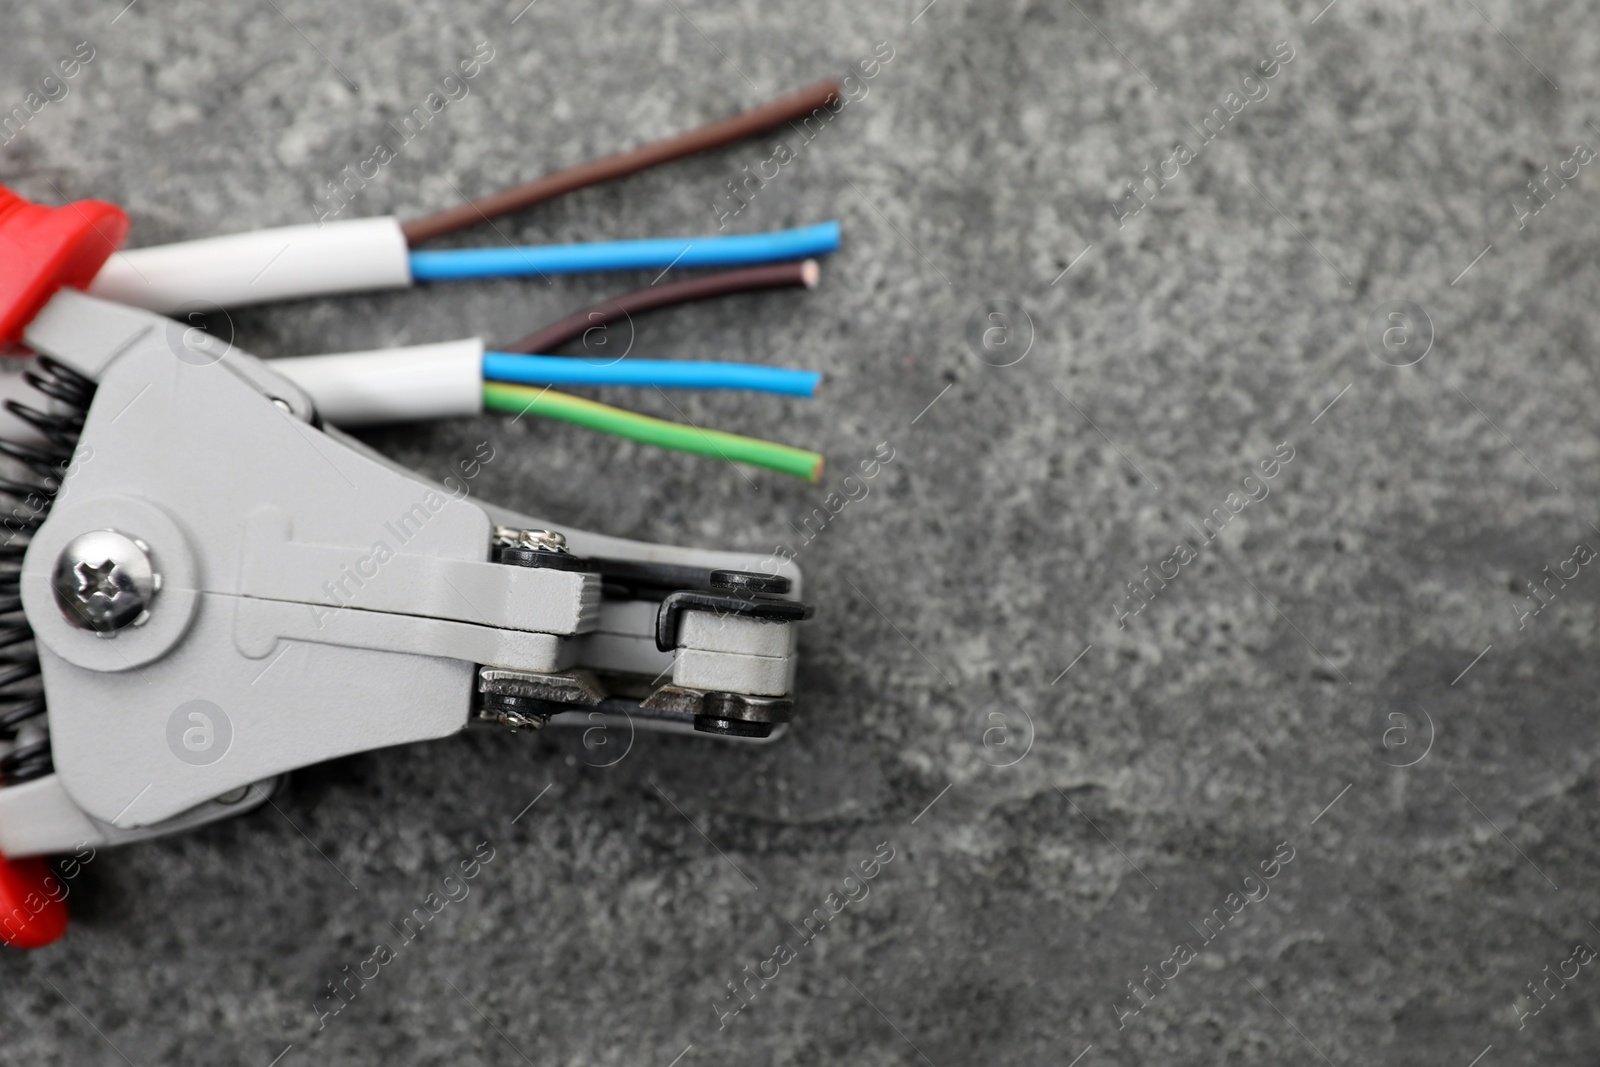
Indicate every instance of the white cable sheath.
{"type": "Point", "coordinates": [258, 267]}
{"type": "Point", "coordinates": [392, 384]}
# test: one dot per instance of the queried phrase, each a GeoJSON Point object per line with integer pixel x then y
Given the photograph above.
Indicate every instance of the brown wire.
{"type": "Point", "coordinates": [747, 279]}
{"type": "Point", "coordinates": [785, 109]}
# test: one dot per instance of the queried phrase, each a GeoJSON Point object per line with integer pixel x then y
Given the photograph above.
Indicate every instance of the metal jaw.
{"type": "Point", "coordinates": [316, 600]}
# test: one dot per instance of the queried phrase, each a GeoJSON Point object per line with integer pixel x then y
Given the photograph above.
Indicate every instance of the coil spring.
{"type": "Point", "coordinates": [21, 696]}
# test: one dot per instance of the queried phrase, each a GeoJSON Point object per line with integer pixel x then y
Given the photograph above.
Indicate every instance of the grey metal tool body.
{"type": "Point", "coordinates": [219, 590]}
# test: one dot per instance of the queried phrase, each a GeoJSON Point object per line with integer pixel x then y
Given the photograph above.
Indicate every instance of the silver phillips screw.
{"type": "Point", "coordinates": [104, 582]}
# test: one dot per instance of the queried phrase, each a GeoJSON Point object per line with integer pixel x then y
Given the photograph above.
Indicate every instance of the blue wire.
{"type": "Point", "coordinates": [669, 374]}
{"type": "Point", "coordinates": [655, 254]}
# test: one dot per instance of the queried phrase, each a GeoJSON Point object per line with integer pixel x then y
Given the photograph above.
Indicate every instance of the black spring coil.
{"type": "Point", "coordinates": [21, 697]}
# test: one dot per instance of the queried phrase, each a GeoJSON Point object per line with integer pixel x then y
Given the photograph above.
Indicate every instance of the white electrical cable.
{"type": "Point", "coordinates": [435, 381]}
{"type": "Point", "coordinates": [259, 267]}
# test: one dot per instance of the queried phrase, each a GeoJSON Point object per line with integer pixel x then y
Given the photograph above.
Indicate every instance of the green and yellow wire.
{"type": "Point", "coordinates": [523, 399]}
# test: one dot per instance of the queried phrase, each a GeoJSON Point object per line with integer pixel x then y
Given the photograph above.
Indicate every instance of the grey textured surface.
{"type": "Point", "coordinates": [1182, 347]}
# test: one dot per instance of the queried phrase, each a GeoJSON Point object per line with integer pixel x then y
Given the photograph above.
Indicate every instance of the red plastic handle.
{"type": "Point", "coordinates": [33, 903]}
{"type": "Point", "coordinates": [44, 248]}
